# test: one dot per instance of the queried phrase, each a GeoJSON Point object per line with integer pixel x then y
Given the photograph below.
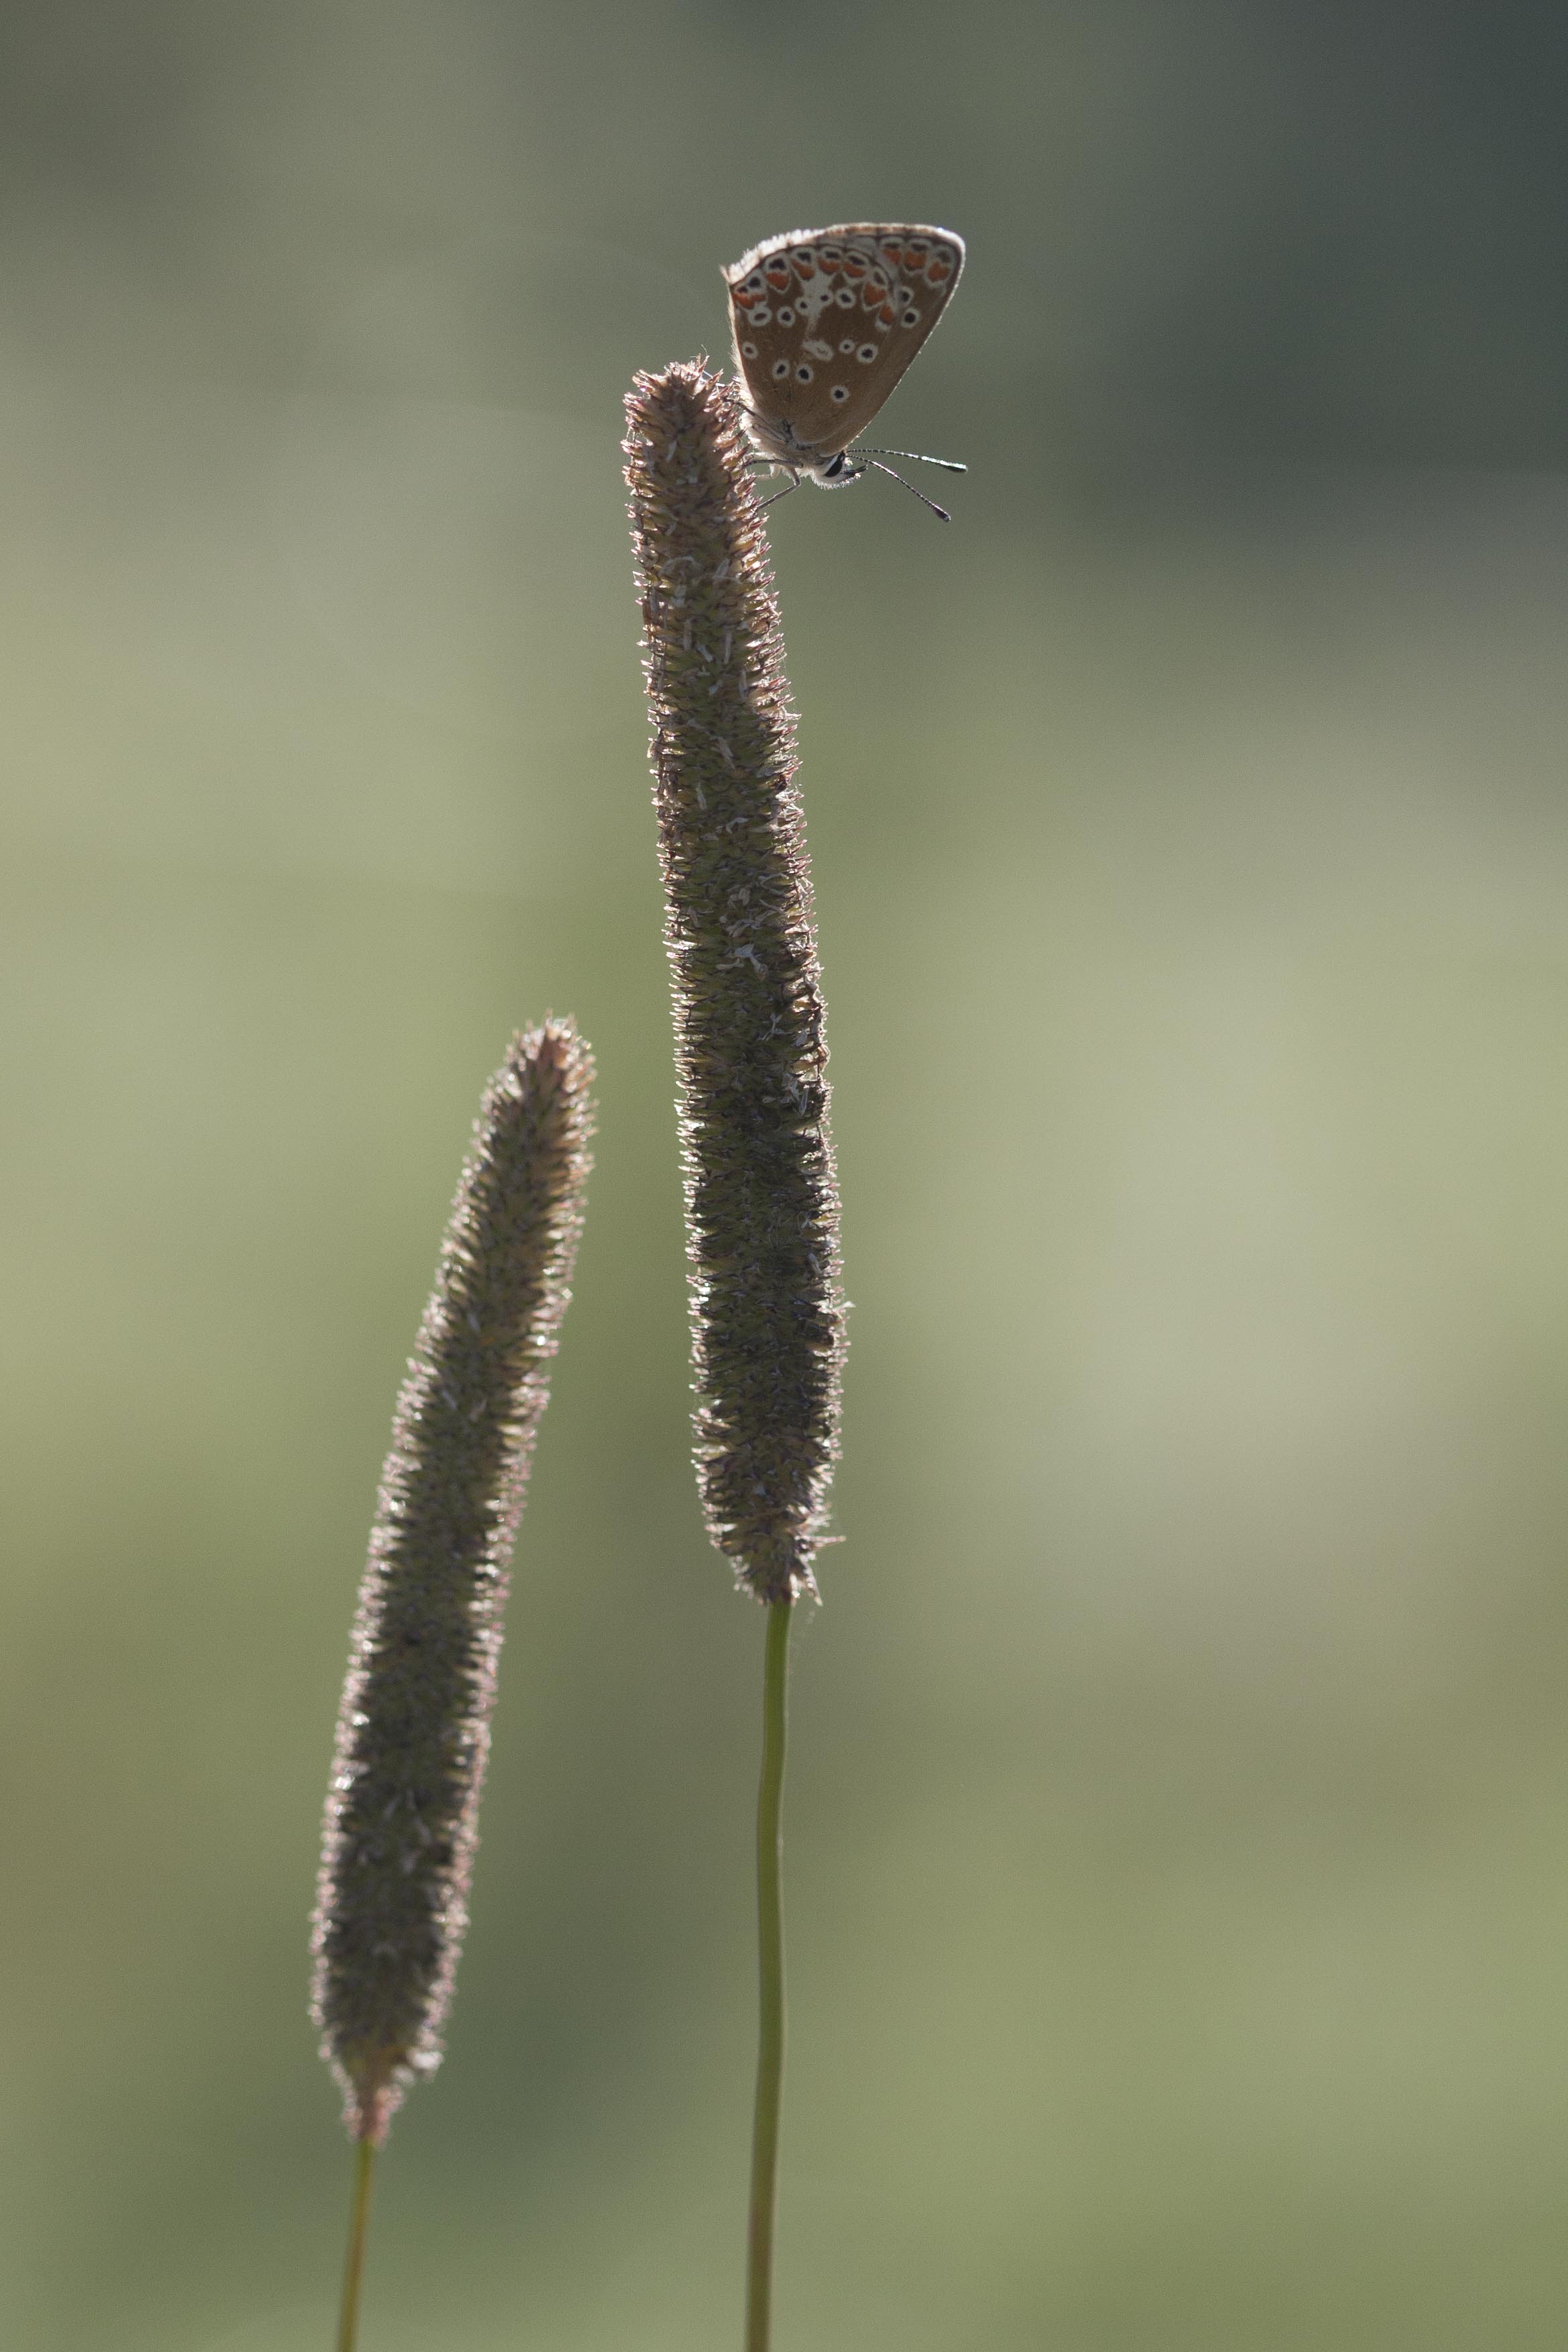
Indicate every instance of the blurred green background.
{"type": "Point", "coordinates": [1179, 1796]}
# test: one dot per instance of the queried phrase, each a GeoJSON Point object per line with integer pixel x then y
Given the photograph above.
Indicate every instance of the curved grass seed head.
{"type": "Point", "coordinates": [413, 1732]}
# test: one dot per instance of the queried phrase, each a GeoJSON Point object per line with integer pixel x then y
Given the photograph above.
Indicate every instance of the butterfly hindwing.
{"type": "Point", "coordinates": [825, 322]}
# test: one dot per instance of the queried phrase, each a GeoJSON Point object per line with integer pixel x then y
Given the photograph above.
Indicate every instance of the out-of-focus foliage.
{"type": "Point", "coordinates": [1180, 1784]}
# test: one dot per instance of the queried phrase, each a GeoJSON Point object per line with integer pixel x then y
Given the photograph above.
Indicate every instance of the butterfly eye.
{"type": "Point", "coordinates": [839, 392]}
{"type": "Point", "coordinates": [781, 370]}
{"type": "Point", "coordinates": [866, 354]}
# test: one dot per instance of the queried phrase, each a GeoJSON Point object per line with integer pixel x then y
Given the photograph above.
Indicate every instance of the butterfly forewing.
{"type": "Point", "coordinates": [825, 322]}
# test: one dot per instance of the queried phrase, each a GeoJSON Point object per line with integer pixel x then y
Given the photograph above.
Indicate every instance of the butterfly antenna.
{"type": "Point", "coordinates": [941, 512]}
{"type": "Point", "coordinates": [948, 465]}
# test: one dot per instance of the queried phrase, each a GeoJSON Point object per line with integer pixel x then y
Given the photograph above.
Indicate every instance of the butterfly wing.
{"type": "Point", "coordinates": [826, 320]}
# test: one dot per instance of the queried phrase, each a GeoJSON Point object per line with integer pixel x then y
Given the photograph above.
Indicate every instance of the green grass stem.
{"type": "Point", "coordinates": [770, 1960]}
{"type": "Point", "coordinates": [358, 2229]}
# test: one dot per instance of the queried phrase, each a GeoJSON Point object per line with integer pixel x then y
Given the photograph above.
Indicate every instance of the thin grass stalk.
{"type": "Point", "coordinates": [764, 2205]}
{"type": "Point", "coordinates": [354, 2258]}
{"type": "Point", "coordinates": [762, 1209]}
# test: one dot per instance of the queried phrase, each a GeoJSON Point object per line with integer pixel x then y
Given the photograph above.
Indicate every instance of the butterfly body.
{"type": "Point", "coordinates": [825, 322]}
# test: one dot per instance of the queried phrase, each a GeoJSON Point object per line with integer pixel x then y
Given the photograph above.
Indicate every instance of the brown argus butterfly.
{"type": "Point", "coordinates": [825, 322]}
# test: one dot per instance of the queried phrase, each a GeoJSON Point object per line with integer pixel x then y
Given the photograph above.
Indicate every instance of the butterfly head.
{"type": "Point", "coordinates": [775, 441]}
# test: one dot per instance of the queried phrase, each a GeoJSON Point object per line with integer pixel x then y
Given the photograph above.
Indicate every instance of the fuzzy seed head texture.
{"type": "Point", "coordinates": [762, 1209]}
{"type": "Point", "coordinates": [413, 1730]}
